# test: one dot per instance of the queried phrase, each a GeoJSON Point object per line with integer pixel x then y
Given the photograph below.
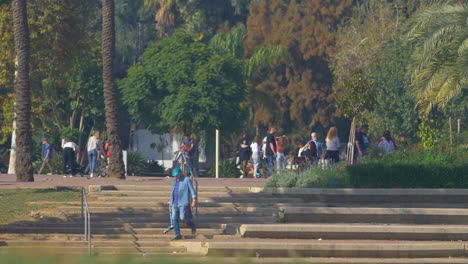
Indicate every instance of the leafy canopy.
{"type": "Point", "coordinates": [181, 83]}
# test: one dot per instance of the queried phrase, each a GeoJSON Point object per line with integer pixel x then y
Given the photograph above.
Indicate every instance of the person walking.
{"type": "Point", "coordinates": [182, 191]}
{"type": "Point", "coordinates": [362, 142]}
{"type": "Point", "coordinates": [95, 150]}
{"type": "Point", "coordinates": [255, 147]}
{"type": "Point", "coordinates": [244, 157]}
{"type": "Point", "coordinates": [47, 153]}
{"type": "Point", "coordinates": [270, 150]}
{"type": "Point", "coordinates": [332, 143]}
{"type": "Point", "coordinates": [69, 150]}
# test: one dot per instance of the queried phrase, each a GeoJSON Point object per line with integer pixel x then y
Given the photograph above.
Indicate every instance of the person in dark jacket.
{"type": "Point", "coordinates": [244, 156]}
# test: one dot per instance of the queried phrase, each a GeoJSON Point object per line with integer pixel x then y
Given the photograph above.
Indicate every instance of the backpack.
{"type": "Point", "coordinates": [52, 152]}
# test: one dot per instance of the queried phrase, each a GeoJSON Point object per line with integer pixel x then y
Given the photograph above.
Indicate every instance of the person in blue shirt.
{"type": "Point", "coordinates": [182, 191]}
{"type": "Point", "coordinates": [47, 154]}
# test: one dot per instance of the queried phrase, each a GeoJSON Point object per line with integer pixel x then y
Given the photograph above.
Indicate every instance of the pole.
{"type": "Point", "coordinates": [217, 154]}
{"type": "Point", "coordinates": [458, 126]}
{"type": "Point", "coordinates": [451, 137]}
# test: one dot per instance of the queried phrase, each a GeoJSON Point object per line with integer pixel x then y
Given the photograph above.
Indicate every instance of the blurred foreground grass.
{"type": "Point", "coordinates": [36, 257]}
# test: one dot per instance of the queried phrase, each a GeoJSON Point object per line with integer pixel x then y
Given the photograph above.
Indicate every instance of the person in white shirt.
{"type": "Point", "coordinates": [95, 150]}
{"type": "Point", "coordinates": [69, 150]}
{"type": "Point", "coordinates": [333, 145]}
{"type": "Point", "coordinates": [255, 146]}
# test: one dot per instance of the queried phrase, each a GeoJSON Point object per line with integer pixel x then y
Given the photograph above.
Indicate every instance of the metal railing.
{"type": "Point", "coordinates": [182, 159]}
{"type": "Point", "coordinates": [86, 216]}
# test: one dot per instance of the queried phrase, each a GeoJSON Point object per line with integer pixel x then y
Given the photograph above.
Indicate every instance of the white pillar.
{"type": "Point", "coordinates": [217, 154]}
{"type": "Point", "coordinates": [11, 166]}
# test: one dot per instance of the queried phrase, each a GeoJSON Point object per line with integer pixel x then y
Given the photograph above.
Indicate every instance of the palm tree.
{"type": "Point", "coordinates": [23, 164]}
{"type": "Point", "coordinates": [262, 105]}
{"type": "Point", "coordinates": [440, 59]}
{"type": "Point", "coordinates": [165, 17]}
{"type": "Point", "coordinates": [116, 166]}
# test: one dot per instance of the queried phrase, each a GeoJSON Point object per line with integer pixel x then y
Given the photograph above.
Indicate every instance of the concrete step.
{"type": "Point", "coordinates": [200, 220]}
{"type": "Point", "coordinates": [97, 249]}
{"type": "Point", "coordinates": [215, 200]}
{"type": "Point", "coordinates": [337, 248]}
{"type": "Point", "coordinates": [128, 237]}
{"type": "Point", "coordinates": [373, 215]}
{"type": "Point", "coordinates": [162, 187]}
{"type": "Point", "coordinates": [266, 260]}
{"type": "Point", "coordinates": [356, 231]}
{"type": "Point", "coordinates": [144, 210]}
{"type": "Point", "coordinates": [166, 194]}
{"type": "Point", "coordinates": [201, 203]}
{"type": "Point", "coordinates": [118, 224]}
{"type": "Point", "coordinates": [78, 243]}
{"type": "Point", "coordinates": [106, 231]}
{"type": "Point", "coordinates": [372, 204]}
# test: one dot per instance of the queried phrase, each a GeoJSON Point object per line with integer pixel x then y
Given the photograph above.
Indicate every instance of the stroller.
{"type": "Point", "coordinates": [102, 168]}
{"type": "Point", "coordinates": [78, 169]}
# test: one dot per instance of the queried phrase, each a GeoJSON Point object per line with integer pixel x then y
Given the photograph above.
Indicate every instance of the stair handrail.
{"type": "Point", "coordinates": [180, 157]}
{"type": "Point", "coordinates": [86, 216]}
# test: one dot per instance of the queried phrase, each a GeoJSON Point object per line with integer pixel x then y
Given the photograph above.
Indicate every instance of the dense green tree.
{"type": "Point", "coordinates": [116, 165]}
{"type": "Point", "coordinates": [440, 57]}
{"type": "Point", "coordinates": [56, 65]}
{"type": "Point", "coordinates": [134, 30]}
{"type": "Point", "coordinates": [360, 96]}
{"type": "Point", "coordinates": [182, 83]}
{"type": "Point", "coordinates": [394, 109]}
{"type": "Point", "coordinates": [23, 165]}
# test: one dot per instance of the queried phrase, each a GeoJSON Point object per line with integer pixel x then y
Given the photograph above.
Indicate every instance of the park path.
{"type": "Point", "coordinates": [43, 181]}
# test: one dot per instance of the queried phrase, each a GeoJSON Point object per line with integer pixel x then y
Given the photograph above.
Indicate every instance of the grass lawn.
{"type": "Point", "coordinates": [14, 203]}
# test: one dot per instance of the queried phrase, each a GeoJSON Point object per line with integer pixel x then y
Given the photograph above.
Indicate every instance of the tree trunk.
{"type": "Point", "coordinates": [116, 165]}
{"type": "Point", "coordinates": [23, 164]}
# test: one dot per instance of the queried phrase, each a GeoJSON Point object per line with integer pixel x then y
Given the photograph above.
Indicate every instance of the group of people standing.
{"type": "Point", "coordinates": [96, 151]}
{"type": "Point", "coordinates": [272, 149]}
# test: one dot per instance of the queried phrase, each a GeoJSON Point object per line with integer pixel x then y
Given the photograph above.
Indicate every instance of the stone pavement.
{"type": "Point", "coordinates": [43, 181]}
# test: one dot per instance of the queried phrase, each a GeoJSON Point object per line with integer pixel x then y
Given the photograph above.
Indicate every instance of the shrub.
{"type": "Point", "coordinates": [424, 169]}
{"type": "Point", "coordinates": [136, 163]}
{"type": "Point", "coordinates": [314, 177]}
{"type": "Point", "coordinates": [57, 165]}
{"type": "Point", "coordinates": [153, 166]}
{"type": "Point", "coordinates": [227, 169]}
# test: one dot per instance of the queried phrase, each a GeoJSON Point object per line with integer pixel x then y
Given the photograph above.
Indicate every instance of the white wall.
{"type": "Point", "coordinates": [141, 140]}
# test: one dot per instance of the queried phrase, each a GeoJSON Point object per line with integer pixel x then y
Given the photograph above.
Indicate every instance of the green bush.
{"type": "Point", "coordinates": [315, 177]}
{"type": "Point", "coordinates": [136, 163]}
{"type": "Point", "coordinates": [424, 169]}
{"type": "Point", "coordinates": [57, 165]}
{"type": "Point", "coordinates": [154, 167]}
{"type": "Point", "coordinates": [415, 169]}
{"type": "Point", "coordinates": [227, 169]}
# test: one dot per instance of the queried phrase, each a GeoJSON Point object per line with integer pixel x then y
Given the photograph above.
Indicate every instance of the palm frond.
{"type": "Point", "coordinates": [439, 61]}
{"type": "Point", "coordinates": [266, 56]}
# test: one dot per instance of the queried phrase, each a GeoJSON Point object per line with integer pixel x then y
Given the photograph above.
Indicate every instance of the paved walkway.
{"type": "Point", "coordinates": [42, 181]}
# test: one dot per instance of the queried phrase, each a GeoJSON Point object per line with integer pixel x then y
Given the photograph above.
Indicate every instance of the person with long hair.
{"type": "Point", "coordinates": [332, 143]}
{"type": "Point", "coordinates": [386, 142]}
{"type": "Point", "coordinates": [244, 157]}
{"type": "Point", "coordinates": [281, 144]}
{"type": "Point", "coordinates": [255, 147]}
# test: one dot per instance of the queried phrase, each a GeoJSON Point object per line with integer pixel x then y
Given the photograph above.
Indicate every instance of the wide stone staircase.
{"type": "Point", "coordinates": [268, 225]}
